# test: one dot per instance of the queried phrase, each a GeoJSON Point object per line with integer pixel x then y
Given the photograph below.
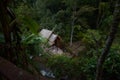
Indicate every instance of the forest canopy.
{"type": "Point", "coordinates": [86, 46]}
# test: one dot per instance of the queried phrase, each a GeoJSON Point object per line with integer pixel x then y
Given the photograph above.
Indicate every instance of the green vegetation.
{"type": "Point", "coordinates": [84, 67]}
{"type": "Point", "coordinates": [92, 24]}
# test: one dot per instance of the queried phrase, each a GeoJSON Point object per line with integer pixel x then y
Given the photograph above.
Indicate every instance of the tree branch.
{"type": "Point", "coordinates": [111, 37]}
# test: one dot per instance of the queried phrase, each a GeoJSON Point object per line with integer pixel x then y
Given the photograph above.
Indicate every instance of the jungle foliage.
{"type": "Point", "coordinates": [85, 21]}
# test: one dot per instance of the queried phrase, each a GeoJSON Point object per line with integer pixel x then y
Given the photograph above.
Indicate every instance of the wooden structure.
{"type": "Point", "coordinates": [12, 72]}
{"type": "Point", "coordinates": [53, 39]}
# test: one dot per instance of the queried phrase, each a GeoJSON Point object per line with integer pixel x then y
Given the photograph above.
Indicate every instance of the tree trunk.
{"type": "Point", "coordinates": [111, 37]}
{"type": "Point", "coordinates": [73, 23]}
{"type": "Point", "coordinates": [98, 14]}
{"type": "Point", "coordinates": [72, 31]}
{"type": "Point", "coordinates": [4, 19]}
